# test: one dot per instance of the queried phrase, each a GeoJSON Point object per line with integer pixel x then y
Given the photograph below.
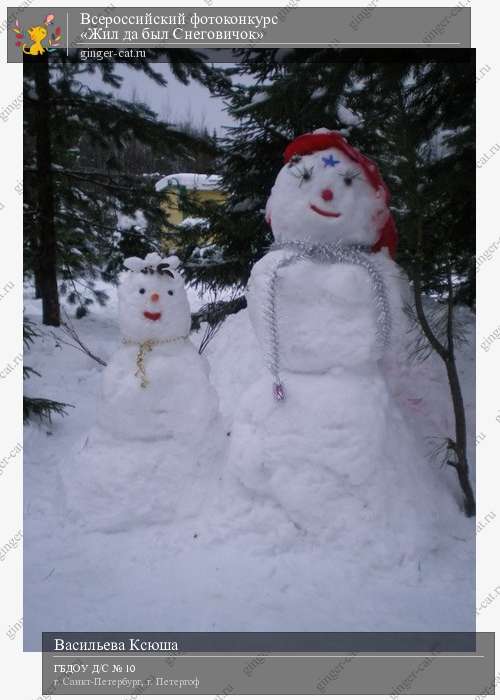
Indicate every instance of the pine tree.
{"type": "Point", "coordinates": [73, 203]}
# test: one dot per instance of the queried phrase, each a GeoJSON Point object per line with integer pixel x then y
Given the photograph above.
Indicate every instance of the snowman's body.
{"type": "Point", "coordinates": [325, 312]}
{"type": "Point", "coordinates": [178, 403]}
{"type": "Point", "coordinates": [335, 455]}
{"type": "Point", "coordinates": [154, 453]}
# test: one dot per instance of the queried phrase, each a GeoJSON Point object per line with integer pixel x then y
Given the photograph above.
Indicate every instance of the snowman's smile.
{"type": "Point", "coordinates": [152, 315]}
{"type": "Point", "coordinates": [323, 212]}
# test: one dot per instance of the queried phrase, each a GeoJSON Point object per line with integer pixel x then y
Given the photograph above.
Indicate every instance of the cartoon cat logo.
{"type": "Point", "coordinates": [37, 35]}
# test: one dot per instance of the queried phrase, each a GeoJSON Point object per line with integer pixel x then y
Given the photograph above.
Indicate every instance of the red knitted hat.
{"type": "Point", "coordinates": [319, 141]}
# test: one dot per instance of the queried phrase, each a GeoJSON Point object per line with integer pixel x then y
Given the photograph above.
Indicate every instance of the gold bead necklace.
{"type": "Point", "coordinates": [145, 347]}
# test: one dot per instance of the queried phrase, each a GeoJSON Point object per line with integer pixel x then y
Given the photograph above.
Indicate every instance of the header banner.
{"type": "Point", "coordinates": [34, 32]}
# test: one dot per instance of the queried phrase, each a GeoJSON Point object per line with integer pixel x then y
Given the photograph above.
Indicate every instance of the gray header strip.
{"type": "Point", "coordinates": [288, 26]}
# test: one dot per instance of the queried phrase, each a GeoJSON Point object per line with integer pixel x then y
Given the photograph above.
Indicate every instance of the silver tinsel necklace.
{"type": "Point", "coordinates": [323, 253]}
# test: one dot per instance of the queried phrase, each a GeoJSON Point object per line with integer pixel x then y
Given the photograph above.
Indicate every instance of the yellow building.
{"type": "Point", "coordinates": [200, 187]}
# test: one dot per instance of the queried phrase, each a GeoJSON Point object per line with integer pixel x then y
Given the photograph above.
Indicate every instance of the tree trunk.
{"type": "Point", "coordinates": [46, 269]}
{"type": "Point", "coordinates": [460, 445]}
{"type": "Point", "coordinates": [32, 233]}
{"type": "Point", "coordinates": [446, 350]}
{"type": "Point", "coordinates": [38, 286]}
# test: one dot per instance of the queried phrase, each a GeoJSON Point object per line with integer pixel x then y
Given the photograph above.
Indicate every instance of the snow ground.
{"type": "Point", "coordinates": [215, 574]}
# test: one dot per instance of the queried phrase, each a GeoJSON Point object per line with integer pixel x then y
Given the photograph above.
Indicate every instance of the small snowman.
{"type": "Point", "coordinates": [318, 434]}
{"type": "Point", "coordinates": [155, 452]}
{"type": "Point", "coordinates": [156, 385]}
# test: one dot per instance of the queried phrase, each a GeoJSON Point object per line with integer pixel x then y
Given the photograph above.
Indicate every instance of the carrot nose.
{"type": "Point", "coordinates": [155, 297]}
{"type": "Point", "coordinates": [327, 195]}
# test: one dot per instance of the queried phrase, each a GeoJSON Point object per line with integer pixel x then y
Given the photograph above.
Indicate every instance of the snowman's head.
{"type": "Point", "coordinates": [153, 303]}
{"type": "Point", "coordinates": [328, 192]}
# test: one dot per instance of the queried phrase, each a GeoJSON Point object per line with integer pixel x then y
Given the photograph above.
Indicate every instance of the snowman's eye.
{"type": "Point", "coordinates": [170, 292]}
{"type": "Point", "coordinates": [142, 290]}
{"type": "Point", "coordinates": [306, 174]}
{"type": "Point", "coordinates": [350, 176]}
{"type": "Point", "coordinates": [303, 174]}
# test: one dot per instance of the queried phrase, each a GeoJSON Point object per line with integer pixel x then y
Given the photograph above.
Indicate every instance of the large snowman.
{"type": "Point", "coordinates": [155, 452]}
{"type": "Point", "coordinates": [318, 434]}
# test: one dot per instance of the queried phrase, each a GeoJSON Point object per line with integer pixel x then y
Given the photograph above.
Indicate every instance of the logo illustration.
{"type": "Point", "coordinates": [37, 35]}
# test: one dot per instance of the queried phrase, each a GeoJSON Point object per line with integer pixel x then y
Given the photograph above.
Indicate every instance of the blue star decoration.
{"type": "Point", "coordinates": [330, 161]}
